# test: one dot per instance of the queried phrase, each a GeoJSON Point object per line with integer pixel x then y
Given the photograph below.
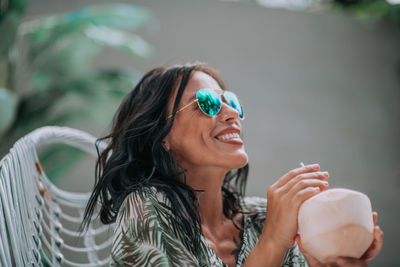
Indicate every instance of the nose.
{"type": "Point", "coordinates": [228, 113]}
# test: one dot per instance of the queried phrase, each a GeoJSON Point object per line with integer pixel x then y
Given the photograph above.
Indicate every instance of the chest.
{"type": "Point", "coordinates": [226, 243]}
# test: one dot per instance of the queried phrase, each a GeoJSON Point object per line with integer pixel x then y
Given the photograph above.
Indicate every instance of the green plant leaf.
{"type": "Point", "coordinates": [8, 104]}
{"type": "Point", "coordinates": [63, 38]}
{"type": "Point", "coordinates": [8, 28]}
{"type": "Point", "coordinates": [370, 10]}
{"type": "Point", "coordinates": [121, 16]}
{"type": "Point", "coordinates": [68, 56]}
{"type": "Point", "coordinates": [12, 6]}
{"type": "Point", "coordinates": [119, 39]}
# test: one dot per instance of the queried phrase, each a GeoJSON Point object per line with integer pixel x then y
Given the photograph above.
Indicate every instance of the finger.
{"type": "Point", "coordinates": [375, 217]}
{"type": "Point", "coordinates": [303, 176]}
{"type": "Point", "coordinates": [379, 237]}
{"type": "Point", "coordinates": [376, 245]}
{"type": "Point", "coordinates": [351, 262]}
{"type": "Point", "coordinates": [305, 194]}
{"type": "Point", "coordinates": [302, 184]}
{"type": "Point", "coordinates": [378, 233]}
{"type": "Point", "coordinates": [293, 173]}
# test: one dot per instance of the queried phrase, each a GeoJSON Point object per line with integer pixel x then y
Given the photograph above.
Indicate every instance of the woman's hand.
{"type": "Point", "coordinates": [370, 254]}
{"type": "Point", "coordinates": [377, 244]}
{"type": "Point", "coordinates": [284, 199]}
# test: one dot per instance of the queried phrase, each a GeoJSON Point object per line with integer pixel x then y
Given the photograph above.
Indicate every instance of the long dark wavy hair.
{"type": "Point", "coordinates": [135, 157]}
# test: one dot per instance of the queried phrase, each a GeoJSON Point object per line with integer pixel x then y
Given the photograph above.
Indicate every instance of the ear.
{"type": "Point", "coordinates": [166, 145]}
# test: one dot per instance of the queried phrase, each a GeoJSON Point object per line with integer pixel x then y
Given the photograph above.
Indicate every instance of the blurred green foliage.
{"type": "Point", "coordinates": [371, 9]}
{"type": "Point", "coordinates": [47, 75]}
{"type": "Point", "coordinates": [366, 10]}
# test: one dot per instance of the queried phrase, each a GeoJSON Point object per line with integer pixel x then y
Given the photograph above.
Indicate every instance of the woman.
{"type": "Point", "coordinates": [175, 181]}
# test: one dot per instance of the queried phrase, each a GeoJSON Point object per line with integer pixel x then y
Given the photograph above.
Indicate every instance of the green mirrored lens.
{"type": "Point", "coordinates": [232, 99]}
{"type": "Point", "coordinates": [209, 101]}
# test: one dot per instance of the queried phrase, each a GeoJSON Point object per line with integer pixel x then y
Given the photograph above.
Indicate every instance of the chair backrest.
{"type": "Point", "coordinates": [39, 223]}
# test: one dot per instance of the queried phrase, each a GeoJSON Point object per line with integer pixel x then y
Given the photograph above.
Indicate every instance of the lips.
{"type": "Point", "coordinates": [230, 135]}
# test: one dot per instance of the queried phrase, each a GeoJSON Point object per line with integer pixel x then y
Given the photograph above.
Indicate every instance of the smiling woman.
{"type": "Point", "coordinates": [173, 179]}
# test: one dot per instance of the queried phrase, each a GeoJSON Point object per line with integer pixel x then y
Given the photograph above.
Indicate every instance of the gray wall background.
{"type": "Point", "coordinates": [316, 87]}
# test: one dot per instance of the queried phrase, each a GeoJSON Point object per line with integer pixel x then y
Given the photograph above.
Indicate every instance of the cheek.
{"type": "Point", "coordinates": [191, 143]}
{"type": "Point", "coordinates": [186, 139]}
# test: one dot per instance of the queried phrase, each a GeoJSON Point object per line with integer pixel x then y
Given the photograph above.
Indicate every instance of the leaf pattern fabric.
{"type": "Point", "coordinates": [148, 233]}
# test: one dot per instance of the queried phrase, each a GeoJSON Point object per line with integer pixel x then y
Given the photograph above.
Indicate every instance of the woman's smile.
{"type": "Point", "coordinates": [230, 135]}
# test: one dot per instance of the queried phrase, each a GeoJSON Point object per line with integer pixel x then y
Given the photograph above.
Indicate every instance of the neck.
{"type": "Point", "coordinates": [210, 201]}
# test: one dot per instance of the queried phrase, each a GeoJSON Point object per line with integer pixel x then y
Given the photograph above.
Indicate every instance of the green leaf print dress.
{"type": "Point", "coordinates": [148, 234]}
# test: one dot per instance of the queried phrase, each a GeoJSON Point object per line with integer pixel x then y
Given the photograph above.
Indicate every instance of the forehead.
{"type": "Point", "coordinates": [200, 80]}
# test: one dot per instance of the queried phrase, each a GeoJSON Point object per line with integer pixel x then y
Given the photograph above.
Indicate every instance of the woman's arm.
{"type": "Point", "coordinates": [283, 202]}
{"type": "Point", "coordinates": [265, 254]}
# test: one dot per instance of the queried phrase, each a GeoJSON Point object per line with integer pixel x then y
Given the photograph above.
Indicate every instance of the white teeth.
{"type": "Point", "coordinates": [228, 136]}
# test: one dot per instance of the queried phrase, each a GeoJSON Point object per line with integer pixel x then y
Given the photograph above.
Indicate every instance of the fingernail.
{"type": "Point", "coordinates": [325, 183]}
{"type": "Point", "coordinates": [314, 165]}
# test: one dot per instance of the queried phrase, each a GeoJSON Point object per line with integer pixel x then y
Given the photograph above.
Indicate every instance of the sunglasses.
{"type": "Point", "coordinates": [210, 102]}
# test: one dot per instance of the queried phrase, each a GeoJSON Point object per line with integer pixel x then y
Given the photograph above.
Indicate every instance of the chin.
{"type": "Point", "coordinates": [239, 161]}
{"type": "Point", "coordinates": [244, 162]}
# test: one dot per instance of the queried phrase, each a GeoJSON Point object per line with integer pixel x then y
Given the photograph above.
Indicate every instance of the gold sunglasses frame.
{"type": "Point", "coordinates": [223, 99]}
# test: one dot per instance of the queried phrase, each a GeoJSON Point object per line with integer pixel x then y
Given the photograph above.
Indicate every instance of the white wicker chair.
{"type": "Point", "coordinates": [39, 222]}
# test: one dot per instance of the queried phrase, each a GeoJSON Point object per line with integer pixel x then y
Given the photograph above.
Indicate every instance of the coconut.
{"type": "Point", "coordinates": [336, 222]}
